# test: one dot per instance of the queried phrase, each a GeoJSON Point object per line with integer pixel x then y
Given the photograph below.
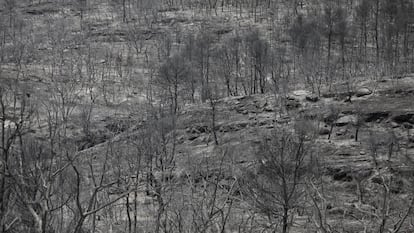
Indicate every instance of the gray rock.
{"type": "Point", "coordinates": [192, 137]}
{"type": "Point", "coordinates": [312, 98]}
{"type": "Point", "coordinates": [241, 125]}
{"type": "Point", "coordinates": [341, 133]}
{"type": "Point", "coordinates": [363, 92]}
{"type": "Point", "coordinates": [404, 118]}
{"type": "Point", "coordinates": [376, 116]}
{"type": "Point", "coordinates": [323, 131]}
{"type": "Point", "coordinates": [292, 103]}
{"type": "Point", "coordinates": [394, 125]}
{"type": "Point", "coordinates": [345, 120]}
{"type": "Point", "coordinates": [407, 125]}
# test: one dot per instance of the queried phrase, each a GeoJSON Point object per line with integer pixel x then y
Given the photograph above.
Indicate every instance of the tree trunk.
{"type": "Point", "coordinates": [328, 62]}
{"type": "Point", "coordinates": [124, 11]}
{"type": "Point", "coordinates": [135, 210]}
{"type": "Point", "coordinates": [356, 133]}
{"type": "Point", "coordinates": [330, 131]}
{"type": "Point", "coordinates": [128, 214]}
{"type": "Point", "coordinates": [213, 123]}
{"type": "Point", "coordinates": [376, 33]}
{"type": "Point", "coordinates": [79, 224]}
{"type": "Point", "coordinates": [285, 219]}
{"type": "Point", "coordinates": [4, 158]}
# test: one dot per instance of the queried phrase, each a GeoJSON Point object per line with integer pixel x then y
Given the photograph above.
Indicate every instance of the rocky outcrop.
{"type": "Point", "coordinates": [363, 92]}
{"type": "Point", "coordinates": [312, 98]}
{"type": "Point", "coordinates": [345, 120]}
{"type": "Point", "coordinates": [376, 116]}
{"type": "Point", "coordinates": [404, 118]}
{"type": "Point", "coordinates": [197, 129]}
{"type": "Point", "coordinates": [324, 131]}
{"type": "Point", "coordinates": [233, 127]}
{"type": "Point", "coordinates": [292, 103]}
{"type": "Point", "coordinates": [340, 174]}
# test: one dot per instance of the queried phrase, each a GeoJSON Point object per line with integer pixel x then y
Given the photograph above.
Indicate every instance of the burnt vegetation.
{"type": "Point", "coordinates": [206, 116]}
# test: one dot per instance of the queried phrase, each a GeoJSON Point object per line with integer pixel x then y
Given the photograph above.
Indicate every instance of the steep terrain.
{"type": "Point", "coordinates": [148, 118]}
{"type": "Point", "coordinates": [352, 170]}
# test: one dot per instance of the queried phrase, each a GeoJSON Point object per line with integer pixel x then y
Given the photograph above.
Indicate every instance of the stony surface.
{"type": "Point", "coordinates": [243, 121]}
{"type": "Point", "coordinates": [363, 92]}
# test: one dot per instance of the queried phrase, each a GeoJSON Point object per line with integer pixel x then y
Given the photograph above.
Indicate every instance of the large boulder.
{"type": "Point", "coordinates": [363, 92]}
{"type": "Point", "coordinates": [411, 139]}
{"type": "Point", "coordinates": [345, 120]}
{"type": "Point", "coordinates": [292, 103]}
{"type": "Point", "coordinates": [376, 116]}
{"type": "Point", "coordinates": [312, 98]}
{"type": "Point", "coordinates": [324, 131]}
{"type": "Point", "coordinates": [301, 94]}
{"type": "Point", "coordinates": [340, 174]}
{"type": "Point", "coordinates": [404, 118]}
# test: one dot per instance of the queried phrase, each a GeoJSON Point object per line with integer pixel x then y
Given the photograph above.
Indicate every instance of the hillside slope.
{"type": "Point", "coordinates": [352, 171]}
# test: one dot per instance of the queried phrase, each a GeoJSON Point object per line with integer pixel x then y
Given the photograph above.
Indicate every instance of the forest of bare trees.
{"type": "Point", "coordinates": [65, 63]}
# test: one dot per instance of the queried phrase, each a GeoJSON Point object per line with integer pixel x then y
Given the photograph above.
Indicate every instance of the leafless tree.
{"type": "Point", "coordinates": [332, 117]}
{"type": "Point", "coordinates": [277, 187]}
{"type": "Point", "coordinates": [173, 74]}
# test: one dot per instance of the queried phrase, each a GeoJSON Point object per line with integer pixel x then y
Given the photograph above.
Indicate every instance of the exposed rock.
{"type": "Point", "coordinates": [394, 125]}
{"type": "Point", "coordinates": [324, 131]}
{"type": "Point", "coordinates": [193, 137]}
{"type": "Point", "coordinates": [312, 98]}
{"type": "Point", "coordinates": [268, 109]}
{"type": "Point", "coordinates": [291, 98]}
{"type": "Point", "coordinates": [407, 125]}
{"type": "Point", "coordinates": [340, 174]}
{"type": "Point", "coordinates": [198, 129]}
{"type": "Point", "coordinates": [242, 124]}
{"type": "Point", "coordinates": [341, 132]}
{"type": "Point", "coordinates": [408, 117]}
{"type": "Point", "coordinates": [363, 92]}
{"type": "Point", "coordinates": [376, 116]}
{"type": "Point", "coordinates": [300, 92]}
{"type": "Point", "coordinates": [233, 127]}
{"type": "Point", "coordinates": [292, 103]}
{"type": "Point", "coordinates": [345, 120]}
{"type": "Point", "coordinates": [337, 211]}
